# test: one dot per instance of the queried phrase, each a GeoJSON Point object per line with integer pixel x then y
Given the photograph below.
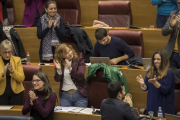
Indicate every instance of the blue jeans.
{"type": "Point", "coordinates": [175, 60]}
{"type": "Point", "coordinates": [161, 20]}
{"type": "Point", "coordinates": [76, 100]}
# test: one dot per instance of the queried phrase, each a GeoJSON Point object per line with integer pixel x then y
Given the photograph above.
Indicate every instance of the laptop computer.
{"type": "Point", "coordinates": [171, 117]}
{"type": "Point", "coordinates": [146, 63]}
{"type": "Point", "coordinates": [105, 60]}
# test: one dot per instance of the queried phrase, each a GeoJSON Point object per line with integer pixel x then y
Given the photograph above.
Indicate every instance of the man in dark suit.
{"type": "Point", "coordinates": [118, 106]}
{"type": "Point", "coordinates": [172, 27]}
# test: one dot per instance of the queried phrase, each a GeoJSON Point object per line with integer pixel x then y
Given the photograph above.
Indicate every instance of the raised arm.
{"type": "Point", "coordinates": [27, 106]}
{"type": "Point", "coordinates": [60, 30]}
{"type": "Point", "coordinates": [41, 33]}
{"type": "Point", "coordinates": [78, 74]}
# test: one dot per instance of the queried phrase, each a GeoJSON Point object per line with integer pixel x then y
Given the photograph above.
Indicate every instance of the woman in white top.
{"type": "Point", "coordinates": [70, 73]}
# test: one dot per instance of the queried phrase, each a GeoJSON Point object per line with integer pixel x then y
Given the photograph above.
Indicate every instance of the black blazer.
{"type": "Point", "coordinates": [115, 109]}
{"type": "Point", "coordinates": [166, 31]}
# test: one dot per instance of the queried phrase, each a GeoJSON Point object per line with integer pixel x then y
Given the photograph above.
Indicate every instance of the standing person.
{"type": "Point", "coordinates": [11, 77]}
{"type": "Point", "coordinates": [173, 46]}
{"type": "Point", "coordinates": [50, 29]}
{"type": "Point", "coordinates": [164, 8]}
{"type": "Point", "coordinates": [119, 106]}
{"type": "Point", "coordinates": [115, 48]}
{"type": "Point", "coordinates": [69, 72]}
{"type": "Point", "coordinates": [159, 82]}
{"type": "Point", "coordinates": [32, 12]}
{"type": "Point", "coordinates": [41, 99]}
{"type": "Point", "coordinates": [4, 16]}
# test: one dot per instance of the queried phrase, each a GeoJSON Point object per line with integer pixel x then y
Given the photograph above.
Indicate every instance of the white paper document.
{"type": "Point", "coordinates": [5, 107]}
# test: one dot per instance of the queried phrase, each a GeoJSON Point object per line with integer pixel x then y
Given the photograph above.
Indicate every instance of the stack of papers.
{"type": "Point", "coordinates": [5, 107]}
{"type": "Point", "coordinates": [74, 109]}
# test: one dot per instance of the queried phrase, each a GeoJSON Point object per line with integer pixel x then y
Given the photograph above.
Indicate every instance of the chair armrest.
{"type": "Point", "coordinates": [142, 111]}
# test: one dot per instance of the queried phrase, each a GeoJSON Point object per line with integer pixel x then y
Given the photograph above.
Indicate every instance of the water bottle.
{"type": "Point", "coordinates": [160, 114]}
{"type": "Point", "coordinates": [28, 61]}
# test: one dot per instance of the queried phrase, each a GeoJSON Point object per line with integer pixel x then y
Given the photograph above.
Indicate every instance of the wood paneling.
{"type": "Point", "coordinates": [144, 14]}
{"type": "Point", "coordinates": [153, 40]}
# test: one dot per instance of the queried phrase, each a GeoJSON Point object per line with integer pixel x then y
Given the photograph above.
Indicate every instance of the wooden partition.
{"type": "Point", "coordinates": [153, 40]}
{"type": "Point", "coordinates": [139, 96]}
{"type": "Point", "coordinates": [143, 12]}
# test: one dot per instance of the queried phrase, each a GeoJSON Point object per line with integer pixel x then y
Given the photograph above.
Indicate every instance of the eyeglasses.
{"type": "Point", "coordinates": [36, 81]}
{"type": "Point", "coordinates": [178, 2]}
{"type": "Point", "coordinates": [7, 52]}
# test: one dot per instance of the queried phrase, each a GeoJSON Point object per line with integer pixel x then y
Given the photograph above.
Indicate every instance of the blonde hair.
{"type": "Point", "coordinates": [5, 44]}
{"type": "Point", "coordinates": [60, 53]}
{"type": "Point", "coordinates": [163, 68]}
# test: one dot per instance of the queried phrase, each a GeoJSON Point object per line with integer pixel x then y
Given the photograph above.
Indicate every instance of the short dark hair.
{"type": "Point", "coordinates": [114, 88]}
{"type": "Point", "coordinates": [100, 33]}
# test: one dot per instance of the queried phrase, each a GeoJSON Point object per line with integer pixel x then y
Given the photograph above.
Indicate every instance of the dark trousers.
{"type": "Point", "coordinates": [175, 60]}
{"type": "Point", "coordinates": [10, 98]}
{"type": "Point", "coordinates": [161, 20]}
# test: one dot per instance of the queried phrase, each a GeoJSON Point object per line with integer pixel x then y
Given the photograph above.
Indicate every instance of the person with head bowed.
{"type": "Point", "coordinates": [41, 99]}
{"type": "Point", "coordinates": [159, 81]}
{"type": "Point", "coordinates": [69, 72]}
{"type": "Point", "coordinates": [50, 29]}
{"type": "Point", "coordinates": [11, 76]}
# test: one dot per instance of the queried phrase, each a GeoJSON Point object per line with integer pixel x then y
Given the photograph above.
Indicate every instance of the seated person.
{"type": "Point", "coordinates": [98, 23]}
{"type": "Point", "coordinates": [41, 99]}
{"type": "Point", "coordinates": [118, 106]}
{"type": "Point", "coordinates": [11, 76]}
{"type": "Point", "coordinates": [32, 12]}
{"type": "Point", "coordinates": [50, 29]}
{"type": "Point", "coordinates": [114, 48]}
{"type": "Point", "coordinates": [70, 72]}
{"type": "Point", "coordinates": [159, 82]}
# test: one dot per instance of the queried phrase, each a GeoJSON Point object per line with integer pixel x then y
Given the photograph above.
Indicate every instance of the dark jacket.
{"type": "Point", "coordinates": [5, 15]}
{"type": "Point", "coordinates": [166, 31]}
{"type": "Point", "coordinates": [83, 42]}
{"type": "Point", "coordinates": [18, 46]}
{"type": "Point", "coordinates": [115, 109]}
{"type": "Point", "coordinates": [77, 75]}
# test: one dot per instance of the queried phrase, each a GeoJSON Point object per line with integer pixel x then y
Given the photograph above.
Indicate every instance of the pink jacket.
{"type": "Point", "coordinates": [30, 11]}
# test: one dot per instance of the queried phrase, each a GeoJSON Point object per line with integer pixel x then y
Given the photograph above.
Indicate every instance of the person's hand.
{"type": "Point", "coordinates": [50, 23]}
{"type": "Point", "coordinates": [173, 20]}
{"type": "Point", "coordinates": [10, 68]}
{"type": "Point", "coordinates": [114, 61]}
{"type": "Point", "coordinates": [140, 79]}
{"type": "Point", "coordinates": [5, 69]}
{"type": "Point", "coordinates": [56, 22]}
{"type": "Point", "coordinates": [68, 64]}
{"type": "Point", "coordinates": [57, 64]}
{"type": "Point", "coordinates": [128, 99]}
{"type": "Point", "coordinates": [178, 19]}
{"type": "Point", "coordinates": [32, 96]}
{"type": "Point", "coordinates": [153, 80]}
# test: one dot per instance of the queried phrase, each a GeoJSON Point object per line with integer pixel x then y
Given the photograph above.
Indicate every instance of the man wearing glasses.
{"type": "Point", "coordinates": [172, 27]}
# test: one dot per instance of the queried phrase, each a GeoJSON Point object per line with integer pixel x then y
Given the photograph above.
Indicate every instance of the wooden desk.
{"type": "Point", "coordinates": [139, 96]}
{"type": "Point", "coordinates": [153, 40]}
{"type": "Point", "coordinates": [17, 110]}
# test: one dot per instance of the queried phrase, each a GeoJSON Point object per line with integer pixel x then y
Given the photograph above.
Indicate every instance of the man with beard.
{"type": "Point", "coordinates": [115, 48]}
{"type": "Point", "coordinates": [118, 106]}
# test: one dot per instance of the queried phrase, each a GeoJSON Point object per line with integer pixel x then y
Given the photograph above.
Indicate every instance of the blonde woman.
{"type": "Point", "coordinates": [159, 82]}
{"type": "Point", "coordinates": [70, 73]}
{"type": "Point", "coordinates": [12, 76]}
